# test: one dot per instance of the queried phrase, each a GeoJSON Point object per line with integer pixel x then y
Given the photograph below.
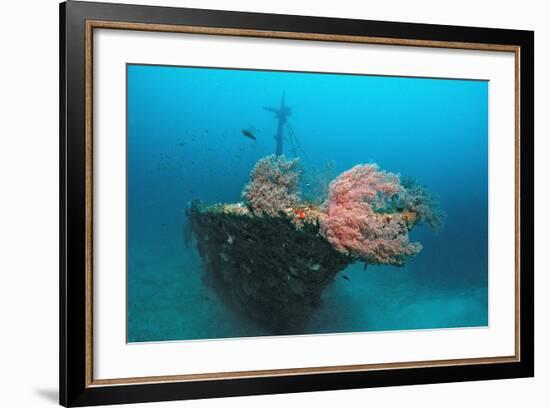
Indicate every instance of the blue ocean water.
{"type": "Point", "coordinates": [185, 142]}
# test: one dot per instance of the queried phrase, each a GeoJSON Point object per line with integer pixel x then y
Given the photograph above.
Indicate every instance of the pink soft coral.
{"type": "Point", "coordinates": [273, 186]}
{"type": "Point", "coordinates": [354, 221]}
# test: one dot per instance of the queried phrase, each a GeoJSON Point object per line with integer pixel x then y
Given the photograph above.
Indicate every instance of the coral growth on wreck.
{"type": "Point", "coordinates": [272, 255]}
{"type": "Point", "coordinates": [416, 198]}
{"type": "Point", "coordinates": [357, 221]}
{"type": "Point", "coordinates": [367, 214]}
{"type": "Point", "coordinates": [273, 186]}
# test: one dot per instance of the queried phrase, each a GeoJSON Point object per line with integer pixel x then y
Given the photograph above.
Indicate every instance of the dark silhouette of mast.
{"type": "Point", "coordinates": [281, 114]}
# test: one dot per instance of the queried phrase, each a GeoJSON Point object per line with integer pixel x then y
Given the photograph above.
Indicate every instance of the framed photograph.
{"type": "Point", "coordinates": [256, 203]}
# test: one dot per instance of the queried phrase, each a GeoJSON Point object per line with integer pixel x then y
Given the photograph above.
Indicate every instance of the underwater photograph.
{"type": "Point", "coordinates": [265, 203]}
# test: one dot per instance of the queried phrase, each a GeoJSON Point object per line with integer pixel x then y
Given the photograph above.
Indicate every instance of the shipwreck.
{"type": "Point", "coordinates": [271, 255]}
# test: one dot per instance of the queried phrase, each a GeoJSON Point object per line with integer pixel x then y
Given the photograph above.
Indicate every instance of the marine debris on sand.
{"type": "Point", "coordinates": [272, 255]}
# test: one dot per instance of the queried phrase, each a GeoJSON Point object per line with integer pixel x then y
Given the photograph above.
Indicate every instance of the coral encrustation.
{"type": "Point", "coordinates": [368, 213]}
{"type": "Point", "coordinates": [357, 220]}
{"type": "Point", "coordinates": [273, 186]}
{"type": "Point", "coordinates": [273, 254]}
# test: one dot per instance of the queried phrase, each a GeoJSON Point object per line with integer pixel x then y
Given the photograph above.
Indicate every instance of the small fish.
{"type": "Point", "coordinates": [299, 213]}
{"type": "Point", "coordinates": [345, 277]}
{"type": "Point", "coordinates": [181, 144]}
{"type": "Point", "coordinates": [248, 134]}
{"type": "Point", "coordinates": [365, 266]}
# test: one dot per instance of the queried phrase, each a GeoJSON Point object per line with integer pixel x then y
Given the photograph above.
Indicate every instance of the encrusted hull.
{"type": "Point", "coordinates": [264, 266]}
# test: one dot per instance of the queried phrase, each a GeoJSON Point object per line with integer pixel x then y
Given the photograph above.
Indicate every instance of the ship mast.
{"type": "Point", "coordinates": [281, 115]}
